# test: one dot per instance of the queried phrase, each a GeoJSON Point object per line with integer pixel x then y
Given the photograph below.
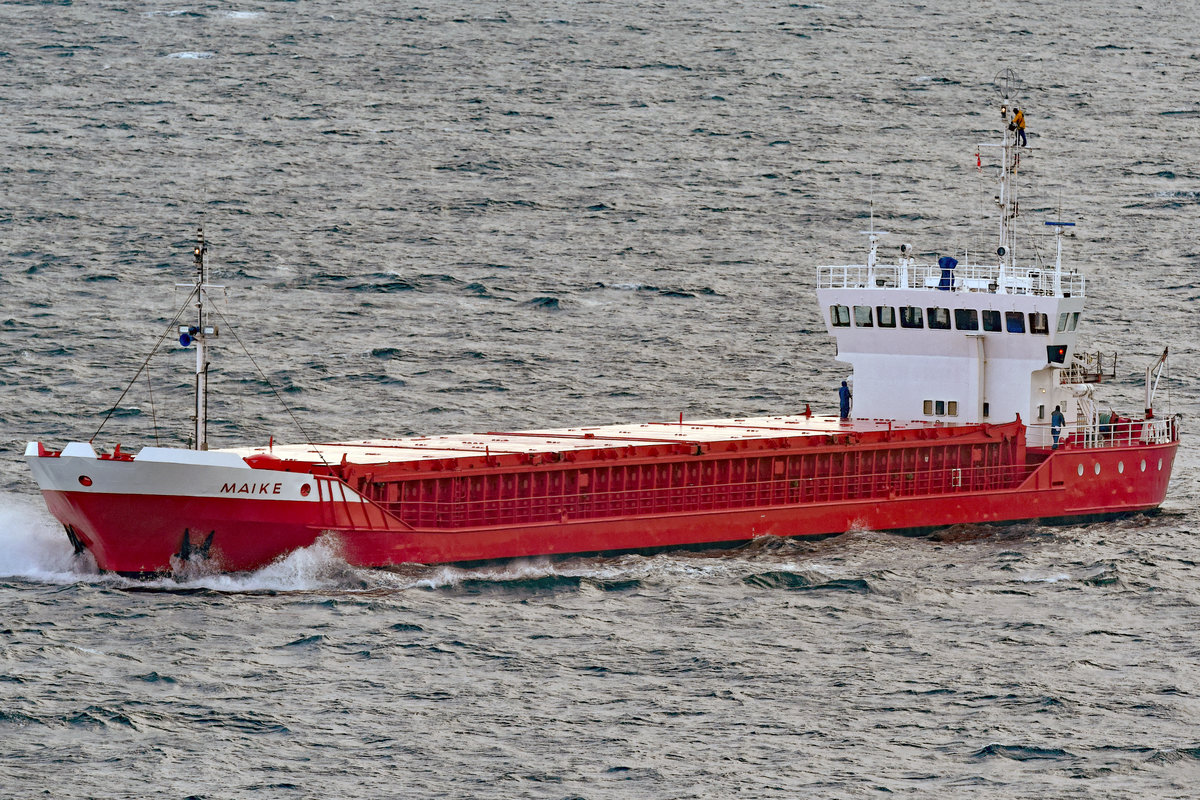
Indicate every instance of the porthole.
{"type": "Point", "coordinates": [1081, 470]}
{"type": "Point", "coordinates": [304, 490]}
{"type": "Point", "coordinates": [1121, 467]}
{"type": "Point", "coordinates": [1143, 465]}
{"type": "Point", "coordinates": [1097, 467]}
{"type": "Point", "coordinates": [84, 480]}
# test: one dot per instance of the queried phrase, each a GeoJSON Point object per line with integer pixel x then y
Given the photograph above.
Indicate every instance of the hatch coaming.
{"type": "Point", "coordinates": [522, 446]}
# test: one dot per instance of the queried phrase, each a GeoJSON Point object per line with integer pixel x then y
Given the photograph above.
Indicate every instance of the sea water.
{"type": "Point", "coordinates": [497, 216]}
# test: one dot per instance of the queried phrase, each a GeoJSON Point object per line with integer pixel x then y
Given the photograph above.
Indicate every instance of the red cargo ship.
{"type": "Point", "coordinates": [971, 357]}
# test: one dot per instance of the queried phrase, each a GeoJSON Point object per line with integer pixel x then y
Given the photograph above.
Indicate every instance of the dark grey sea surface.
{"type": "Point", "coordinates": [490, 216]}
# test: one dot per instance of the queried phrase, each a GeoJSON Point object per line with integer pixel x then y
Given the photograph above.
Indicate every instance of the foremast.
{"type": "Point", "coordinates": [200, 333]}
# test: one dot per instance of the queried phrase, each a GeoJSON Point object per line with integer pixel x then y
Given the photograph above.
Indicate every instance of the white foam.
{"type": "Point", "coordinates": [436, 577]}
{"type": "Point", "coordinates": [859, 525]}
{"type": "Point", "coordinates": [241, 14]}
{"type": "Point", "coordinates": [192, 54]}
{"type": "Point", "coordinates": [33, 544]}
{"type": "Point", "coordinates": [314, 568]}
{"type": "Point", "coordinates": [1044, 578]}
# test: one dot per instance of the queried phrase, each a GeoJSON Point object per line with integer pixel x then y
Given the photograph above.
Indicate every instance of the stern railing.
{"type": "Point", "coordinates": [1123, 432]}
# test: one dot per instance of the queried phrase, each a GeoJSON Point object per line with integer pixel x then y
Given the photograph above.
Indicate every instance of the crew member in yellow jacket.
{"type": "Point", "coordinates": [1018, 125]}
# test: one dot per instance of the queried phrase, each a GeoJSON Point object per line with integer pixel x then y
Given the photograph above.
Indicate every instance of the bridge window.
{"type": "Point", "coordinates": [939, 318]}
{"type": "Point", "coordinates": [886, 316]}
{"type": "Point", "coordinates": [862, 317]}
{"type": "Point", "coordinates": [1062, 321]}
{"type": "Point", "coordinates": [966, 319]}
{"type": "Point", "coordinates": [910, 317]}
{"type": "Point", "coordinates": [1074, 321]}
{"type": "Point", "coordinates": [991, 321]}
{"type": "Point", "coordinates": [839, 316]}
{"type": "Point", "coordinates": [1014, 321]}
{"type": "Point", "coordinates": [1039, 323]}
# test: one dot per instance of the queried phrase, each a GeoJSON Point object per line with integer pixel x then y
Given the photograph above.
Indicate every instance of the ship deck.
{"type": "Point", "coordinates": [560, 440]}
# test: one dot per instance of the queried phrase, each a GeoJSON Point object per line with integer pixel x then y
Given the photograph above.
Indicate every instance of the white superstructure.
{"type": "Point", "coordinates": [961, 343]}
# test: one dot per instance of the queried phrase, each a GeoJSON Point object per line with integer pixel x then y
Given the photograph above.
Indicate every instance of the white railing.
{"type": "Point", "coordinates": [1089, 368]}
{"type": "Point", "coordinates": [1124, 432]}
{"type": "Point", "coordinates": [963, 278]}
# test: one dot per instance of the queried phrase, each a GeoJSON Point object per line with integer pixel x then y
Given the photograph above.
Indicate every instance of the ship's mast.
{"type": "Point", "coordinates": [1006, 84]}
{"type": "Point", "coordinates": [1009, 161]}
{"type": "Point", "coordinates": [200, 333]}
{"type": "Point", "coordinates": [199, 252]}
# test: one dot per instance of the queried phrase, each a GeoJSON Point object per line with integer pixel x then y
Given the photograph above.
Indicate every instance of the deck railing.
{"type": "Point", "coordinates": [1123, 433]}
{"type": "Point", "coordinates": [1089, 368]}
{"type": "Point", "coordinates": [558, 507]}
{"type": "Point", "coordinates": [963, 278]}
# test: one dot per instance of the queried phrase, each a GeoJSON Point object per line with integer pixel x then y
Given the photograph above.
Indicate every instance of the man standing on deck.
{"type": "Point", "coordinates": [1018, 125]}
{"type": "Point", "coordinates": [1057, 420]}
{"type": "Point", "coordinates": [844, 397]}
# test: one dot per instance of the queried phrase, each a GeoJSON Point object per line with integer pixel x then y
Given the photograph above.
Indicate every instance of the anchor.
{"type": "Point", "coordinates": [73, 537]}
{"type": "Point", "coordinates": [188, 551]}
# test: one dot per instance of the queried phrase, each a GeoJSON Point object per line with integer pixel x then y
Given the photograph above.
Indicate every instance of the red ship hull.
{"type": "Point", "coordinates": [1000, 344]}
{"type": "Point", "coordinates": [144, 533]}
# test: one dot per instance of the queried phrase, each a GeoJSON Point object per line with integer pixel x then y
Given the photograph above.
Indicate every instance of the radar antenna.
{"type": "Point", "coordinates": [1007, 83]}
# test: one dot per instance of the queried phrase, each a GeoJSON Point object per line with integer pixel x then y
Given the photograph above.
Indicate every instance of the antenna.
{"type": "Point", "coordinates": [872, 237]}
{"type": "Point", "coordinates": [1007, 83]}
{"type": "Point", "coordinates": [1058, 234]}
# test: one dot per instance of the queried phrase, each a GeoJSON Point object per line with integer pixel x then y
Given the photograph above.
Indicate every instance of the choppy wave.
{"type": "Point", "coordinates": [796, 581]}
{"type": "Point", "coordinates": [1022, 753]}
